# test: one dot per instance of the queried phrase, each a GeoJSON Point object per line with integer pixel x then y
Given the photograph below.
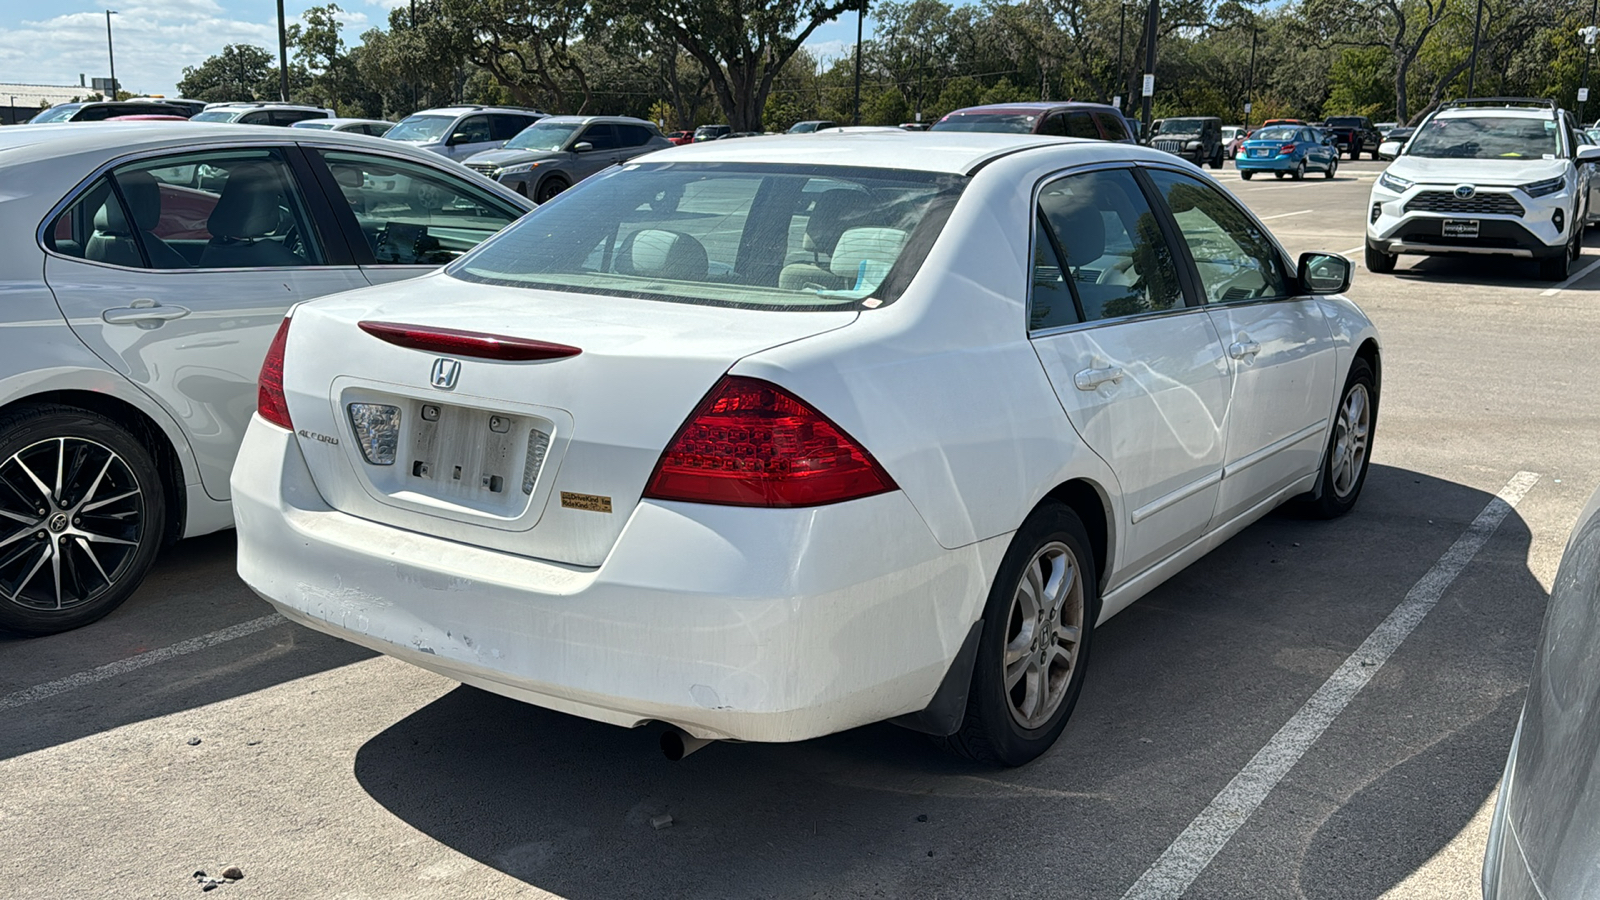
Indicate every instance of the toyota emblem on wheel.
{"type": "Point", "coordinates": [445, 372]}
{"type": "Point", "coordinates": [1465, 191]}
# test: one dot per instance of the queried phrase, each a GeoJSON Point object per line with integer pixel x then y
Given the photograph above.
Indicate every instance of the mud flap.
{"type": "Point", "coordinates": [948, 708]}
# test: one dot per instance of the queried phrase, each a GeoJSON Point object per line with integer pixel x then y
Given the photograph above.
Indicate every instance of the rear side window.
{"type": "Point", "coordinates": [1079, 125]}
{"type": "Point", "coordinates": [601, 136]}
{"type": "Point", "coordinates": [727, 234]}
{"type": "Point", "coordinates": [1054, 125]}
{"type": "Point", "coordinates": [1113, 251]}
{"type": "Point", "coordinates": [1112, 125]}
{"type": "Point", "coordinates": [632, 135]}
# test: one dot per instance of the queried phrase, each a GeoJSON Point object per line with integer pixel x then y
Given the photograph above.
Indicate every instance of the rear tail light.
{"type": "Point", "coordinates": [1286, 149]}
{"type": "Point", "coordinates": [476, 344]}
{"type": "Point", "coordinates": [752, 443]}
{"type": "Point", "coordinates": [270, 402]}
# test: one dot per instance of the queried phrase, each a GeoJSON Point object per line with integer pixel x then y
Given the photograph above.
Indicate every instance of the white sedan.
{"type": "Point", "coordinates": [768, 439]}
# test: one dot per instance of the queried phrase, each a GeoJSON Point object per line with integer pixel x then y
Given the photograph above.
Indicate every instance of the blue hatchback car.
{"type": "Point", "coordinates": [1287, 150]}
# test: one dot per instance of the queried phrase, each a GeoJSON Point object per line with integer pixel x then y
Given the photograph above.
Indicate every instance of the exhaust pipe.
{"type": "Point", "coordinates": [677, 743]}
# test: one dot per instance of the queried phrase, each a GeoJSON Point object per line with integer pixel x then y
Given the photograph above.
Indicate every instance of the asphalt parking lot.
{"type": "Point", "coordinates": [1239, 735]}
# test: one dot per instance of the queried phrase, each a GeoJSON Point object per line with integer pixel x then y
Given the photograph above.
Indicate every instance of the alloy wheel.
{"type": "Point", "coordinates": [1044, 632]}
{"type": "Point", "coordinates": [1351, 432]}
{"type": "Point", "coordinates": [72, 517]}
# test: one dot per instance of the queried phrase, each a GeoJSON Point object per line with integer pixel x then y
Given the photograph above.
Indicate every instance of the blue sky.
{"type": "Point", "coordinates": [54, 41]}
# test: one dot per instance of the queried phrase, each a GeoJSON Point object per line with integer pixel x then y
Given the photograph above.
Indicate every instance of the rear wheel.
{"type": "Point", "coordinates": [1378, 261]}
{"type": "Point", "coordinates": [1333, 166]}
{"type": "Point", "coordinates": [1344, 464]}
{"type": "Point", "coordinates": [81, 518]}
{"type": "Point", "coordinates": [1300, 171]}
{"type": "Point", "coordinates": [1375, 151]}
{"type": "Point", "coordinates": [1355, 151]}
{"type": "Point", "coordinates": [1035, 645]}
{"type": "Point", "coordinates": [548, 188]}
{"type": "Point", "coordinates": [1279, 175]}
{"type": "Point", "coordinates": [1246, 174]}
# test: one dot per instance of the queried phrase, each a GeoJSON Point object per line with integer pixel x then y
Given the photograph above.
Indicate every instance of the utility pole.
{"type": "Point", "coordinates": [1148, 89]}
{"type": "Point", "coordinates": [1250, 79]}
{"type": "Point", "coordinates": [283, 57]}
{"type": "Point", "coordinates": [1122, 70]}
{"type": "Point", "coordinates": [111, 55]}
{"type": "Point", "coordinates": [1472, 64]}
{"type": "Point", "coordinates": [1588, 40]}
{"type": "Point", "coordinates": [861, 15]}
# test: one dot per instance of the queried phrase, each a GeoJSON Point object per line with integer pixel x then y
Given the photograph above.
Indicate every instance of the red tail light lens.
{"type": "Point", "coordinates": [270, 402]}
{"type": "Point", "coordinates": [475, 344]}
{"type": "Point", "coordinates": [1286, 149]}
{"type": "Point", "coordinates": [752, 443]}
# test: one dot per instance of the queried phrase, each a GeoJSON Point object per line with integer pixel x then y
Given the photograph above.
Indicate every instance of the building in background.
{"type": "Point", "coordinates": [21, 102]}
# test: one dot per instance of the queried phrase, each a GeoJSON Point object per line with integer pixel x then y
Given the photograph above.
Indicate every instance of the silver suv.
{"type": "Point", "coordinates": [561, 151]}
{"type": "Point", "coordinates": [283, 114]}
{"type": "Point", "coordinates": [460, 131]}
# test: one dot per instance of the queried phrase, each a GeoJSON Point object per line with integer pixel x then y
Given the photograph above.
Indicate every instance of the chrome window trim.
{"type": "Point", "coordinates": [1033, 212]}
{"type": "Point", "coordinates": [87, 181]}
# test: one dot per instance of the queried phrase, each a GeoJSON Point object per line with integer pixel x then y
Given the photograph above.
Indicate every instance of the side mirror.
{"type": "Point", "coordinates": [1588, 153]}
{"type": "Point", "coordinates": [1389, 149]}
{"type": "Point", "coordinates": [582, 147]}
{"type": "Point", "coordinates": [1324, 273]}
{"type": "Point", "coordinates": [460, 137]}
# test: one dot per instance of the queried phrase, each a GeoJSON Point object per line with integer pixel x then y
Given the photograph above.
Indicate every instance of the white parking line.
{"type": "Point", "coordinates": [150, 658]}
{"type": "Point", "coordinates": [1298, 212]}
{"type": "Point", "coordinates": [1182, 862]}
{"type": "Point", "coordinates": [1569, 282]}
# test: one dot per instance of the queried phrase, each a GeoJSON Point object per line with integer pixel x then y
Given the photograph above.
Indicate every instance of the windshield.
{"type": "Point", "coordinates": [55, 114]}
{"type": "Point", "coordinates": [1182, 126]}
{"type": "Point", "coordinates": [1276, 134]}
{"type": "Point", "coordinates": [215, 115]}
{"type": "Point", "coordinates": [749, 235]}
{"type": "Point", "coordinates": [1486, 137]}
{"type": "Point", "coordinates": [1005, 123]}
{"type": "Point", "coordinates": [421, 129]}
{"type": "Point", "coordinates": [317, 123]}
{"type": "Point", "coordinates": [543, 136]}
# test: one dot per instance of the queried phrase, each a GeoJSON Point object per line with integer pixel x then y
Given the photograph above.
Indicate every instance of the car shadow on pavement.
{"type": "Point", "coordinates": [191, 594]}
{"type": "Point", "coordinates": [1185, 687]}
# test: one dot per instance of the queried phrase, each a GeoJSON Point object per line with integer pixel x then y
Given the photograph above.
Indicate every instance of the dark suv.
{"type": "Point", "coordinates": [1096, 121]}
{"type": "Point", "coordinates": [1195, 138]}
{"type": "Point", "coordinates": [1352, 134]}
{"type": "Point", "coordinates": [100, 110]}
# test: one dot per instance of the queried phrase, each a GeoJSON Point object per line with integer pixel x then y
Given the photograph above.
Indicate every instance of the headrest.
{"type": "Point", "coordinates": [666, 254]}
{"type": "Point", "coordinates": [143, 194]}
{"type": "Point", "coordinates": [1079, 228]}
{"type": "Point", "coordinates": [831, 214]}
{"type": "Point", "coordinates": [248, 207]}
{"type": "Point", "coordinates": [109, 218]}
{"type": "Point", "coordinates": [877, 247]}
{"type": "Point", "coordinates": [347, 176]}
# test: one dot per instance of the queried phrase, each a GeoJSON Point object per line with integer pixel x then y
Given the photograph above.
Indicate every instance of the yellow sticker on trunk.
{"type": "Point", "coordinates": [590, 502]}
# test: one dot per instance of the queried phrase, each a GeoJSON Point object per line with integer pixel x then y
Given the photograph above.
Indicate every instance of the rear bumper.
{"type": "Point", "coordinates": [760, 625]}
{"type": "Point", "coordinates": [1267, 164]}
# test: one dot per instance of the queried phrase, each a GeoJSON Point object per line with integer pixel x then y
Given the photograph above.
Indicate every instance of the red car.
{"type": "Point", "coordinates": [681, 137]}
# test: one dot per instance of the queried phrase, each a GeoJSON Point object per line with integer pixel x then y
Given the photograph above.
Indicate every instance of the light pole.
{"type": "Point", "coordinates": [1588, 35]}
{"type": "Point", "coordinates": [1122, 71]}
{"type": "Point", "coordinates": [1250, 80]}
{"type": "Point", "coordinates": [283, 52]}
{"type": "Point", "coordinates": [111, 56]}
{"type": "Point", "coordinates": [13, 110]}
{"type": "Point", "coordinates": [1148, 89]}
{"type": "Point", "coordinates": [861, 15]}
{"type": "Point", "coordinates": [1472, 63]}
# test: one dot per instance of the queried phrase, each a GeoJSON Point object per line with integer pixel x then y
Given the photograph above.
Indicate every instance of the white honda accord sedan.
{"type": "Point", "coordinates": [764, 440]}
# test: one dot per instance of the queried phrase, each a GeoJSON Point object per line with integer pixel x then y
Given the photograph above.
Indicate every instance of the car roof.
{"type": "Point", "coordinates": [955, 152]}
{"type": "Point", "coordinates": [620, 120]}
{"type": "Point", "coordinates": [1509, 112]}
{"type": "Point", "coordinates": [463, 110]}
{"type": "Point", "coordinates": [1034, 106]}
{"type": "Point", "coordinates": [29, 143]}
{"type": "Point", "coordinates": [340, 120]}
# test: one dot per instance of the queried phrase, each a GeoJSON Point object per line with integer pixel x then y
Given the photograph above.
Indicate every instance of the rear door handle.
{"type": "Point", "coordinates": [1091, 379]}
{"type": "Point", "coordinates": [145, 313]}
{"type": "Point", "coordinates": [1243, 349]}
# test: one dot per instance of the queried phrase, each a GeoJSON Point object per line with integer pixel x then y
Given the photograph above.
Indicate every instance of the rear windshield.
{"type": "Point", "coordinates": [421, 128]}
{"type": "Point", "coordinates": [1005, 123]}
{"type": "Point", "coordinates": [1486, 137]}
{"type": "Point", "coordinates": [215, 115]}
{"type": "Point", "coordinates": [56, 114]}
{"type": "Point", "coordinates": [748, 235]}
{"type": "Point", "coordinates": [1277, 134]}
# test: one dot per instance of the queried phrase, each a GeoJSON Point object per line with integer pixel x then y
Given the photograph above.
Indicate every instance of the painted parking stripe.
{"type": "Point", "coordinates": [122, 667]}
{"type": "Point", "coordinates": [1298, 212]}
{"type": "Point", "coordinates": [1571, 281]}
{"type": "Point", "coordinates": [1183, 861]}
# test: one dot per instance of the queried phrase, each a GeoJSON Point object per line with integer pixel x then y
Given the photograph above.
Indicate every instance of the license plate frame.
{"type": "Point", "coordinates": [1260, 152]}
{"type": "Point", "coordinates": [1460, 228]}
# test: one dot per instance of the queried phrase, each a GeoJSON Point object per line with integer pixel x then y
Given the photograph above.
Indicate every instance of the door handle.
{"type": "Point", "coordinates": [1243, 349]}
{"type": "Point", "coordinates": [1091, 379]}
{"type": "Point", "coordinates": [145, 313]}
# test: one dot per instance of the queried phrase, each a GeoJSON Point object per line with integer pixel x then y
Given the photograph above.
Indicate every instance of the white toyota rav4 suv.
{"type": "Point", "coordinates": [1491, 176]}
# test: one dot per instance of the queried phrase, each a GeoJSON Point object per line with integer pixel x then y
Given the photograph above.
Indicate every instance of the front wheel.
{"type": "Point", "coordinates": [1557, 268]}
{"type": "Point", "coordinates": [1333, 166]}
{"type": "Point", "coordinates": [1379, 262]}
{"type": "Point", "coordinates": [1344, 464]}
{"type": "Point", "coordinates": [1279, 175]}
{"type": "Point", "coordinates": [1034, 649]}
{"type": "Point", "coordinates": [1246, 174]}
{"type": "Point", "coordinates": [81, 518]}
{"type": "Point", "coordinates": [548, 188]}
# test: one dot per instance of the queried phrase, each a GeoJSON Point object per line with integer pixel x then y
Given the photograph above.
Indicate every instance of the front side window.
{"type": "Point", "coordinates": [216, 210]}
{"type": "Point", "coordinates": [1113, 250]}
{"type": "Point", "coordinates": [413, 215]}
{"type": "Point", "coordinates": [472, 130]}
{"type": "Point", "coordinates": [727, 234]}
{"type": "Point", "coordinates": [1486, 137]}
{"type": "Point", "coordinates": [544, 135]}
{"type": "Point", "coordinates": [600, 136]}
{"type": "Point", "coordinates": [1235, 257]}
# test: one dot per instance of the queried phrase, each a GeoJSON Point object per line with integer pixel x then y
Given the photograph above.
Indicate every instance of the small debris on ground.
{"type": "Point", "coordinates": [207, 883]}
{"type": "Point", "coordinates": [922, 817]}
{"type": "Point", "coordinates": [233, 873]}
{"type": "Point", "coordinates": [194, 742]}
{"type": "Point", "coordinates": [660, 822]}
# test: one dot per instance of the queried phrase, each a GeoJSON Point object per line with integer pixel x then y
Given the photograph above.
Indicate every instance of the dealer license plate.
{"type": "Point", "coordinates": [1461, 228]}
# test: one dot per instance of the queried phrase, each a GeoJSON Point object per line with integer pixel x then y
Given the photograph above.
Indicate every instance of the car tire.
{"type": "Point", "coordinates": [1375, 152]}
{"type": "Point", "coordinates": [1379, 262]}
{"type": "Point", "coordinates": [1246, 174]}
{"type": "Point", "coordinates": [1349, 450]}
{"type": "Point", "coordinates": [1557, 268]}
{"type": "Point", "coordinates": [1279, 175]}
{"type": "Point", "coordinates": [1300, 171]}
{"type": "Point", "coordinates": [1333, 167]}
{"type": "Point", "coordinates": [548, 188]}
{"type": "Point", "coordinates": [1047, 577]}
{"type": "Point", "coordinates": [1355, 151]}
{"type": "Point", "coordinates": [80, 542]}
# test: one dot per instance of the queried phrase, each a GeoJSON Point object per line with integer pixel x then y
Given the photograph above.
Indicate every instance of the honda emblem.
{"type": "Point", "coordinates": [445, 372]}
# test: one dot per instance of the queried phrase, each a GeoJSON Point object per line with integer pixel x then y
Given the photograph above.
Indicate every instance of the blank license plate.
{"type": "Point", "coordinates": [1462, 228]}
{"type": "Point", "coordinates": [1260, 152]}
